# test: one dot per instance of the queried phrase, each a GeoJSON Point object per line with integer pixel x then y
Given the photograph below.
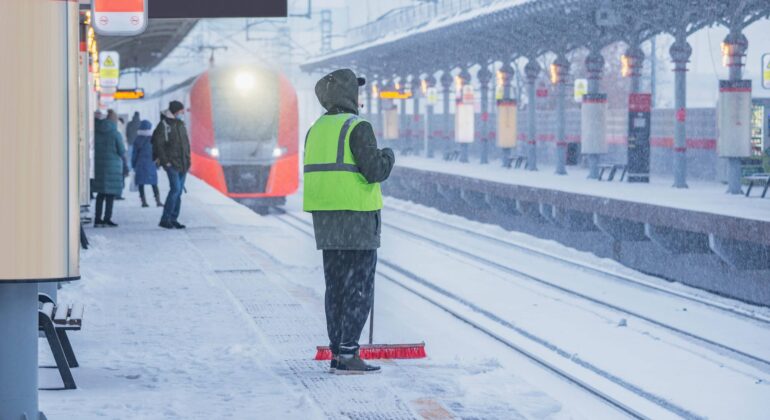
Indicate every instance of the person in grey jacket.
{"type": "Point", "coordinates": [348, 238]}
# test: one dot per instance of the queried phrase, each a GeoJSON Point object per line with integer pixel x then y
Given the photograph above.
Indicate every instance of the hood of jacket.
{"type": "Point", "coordinates": [104, 126]}
{"type": "Point", "coordinates": [338, 91]}
{"type": "Point", "coordinates": [167, 115]}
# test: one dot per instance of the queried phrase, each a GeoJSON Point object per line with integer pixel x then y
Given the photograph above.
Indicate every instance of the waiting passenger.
{"type": "Point", "coordinates": [109, 167]}
{"type": "Point", "coordinates": [132, 129]}
{"type": "Point", "coordinates": [345, 200]}
{"type": "Point", "coordinates": [145, 170]}
{"type": "Point", "coordinates": [171, 147]}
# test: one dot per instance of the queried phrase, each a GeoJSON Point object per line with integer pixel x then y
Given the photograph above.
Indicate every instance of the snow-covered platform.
{"type": "Point", "coordinates": [221, 321]}
{"type": "Point", "coordinates": [699, 236]}
{"type": "Point", "coordinates": [701, 196]}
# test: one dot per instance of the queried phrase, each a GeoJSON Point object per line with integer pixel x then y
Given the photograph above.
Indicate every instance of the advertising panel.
{"type": "Point", "coordinates": [507, 130]}
{"type": "Point", "coordinates": [734, 118]}
{"type": "Point", "coordinates": [593, 124]}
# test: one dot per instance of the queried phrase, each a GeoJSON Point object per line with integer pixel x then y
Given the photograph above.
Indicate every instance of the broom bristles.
{"type": "Point", "coordinates": [380, 351]}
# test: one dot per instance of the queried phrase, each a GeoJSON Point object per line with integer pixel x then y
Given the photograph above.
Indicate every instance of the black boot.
{"type": "Point", "coordinates": [144, 203]}
{"type": "Point", "coordinates": [157, 200]}
{"type": "Point", "coordinates": [351, 364]}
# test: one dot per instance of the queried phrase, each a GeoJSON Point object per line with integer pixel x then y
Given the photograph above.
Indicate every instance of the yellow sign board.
{"type": "Point", "coordinates": [394, 94]}
{"type": "Point", "coordinates": [129, 94]}
{"type": "Point", "coordinates": [109, 68]}
{"type": "Point", "coordinates": [766, 71]}
{"type": "Point", "coordinates": [581, 88]}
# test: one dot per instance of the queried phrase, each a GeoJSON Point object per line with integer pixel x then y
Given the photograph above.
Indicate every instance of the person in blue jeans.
{"type": "Point", "coordinates": [171, 149]}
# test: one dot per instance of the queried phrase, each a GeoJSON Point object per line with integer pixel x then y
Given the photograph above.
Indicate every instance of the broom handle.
{"type": "Point", "coordinates": [371, 320]}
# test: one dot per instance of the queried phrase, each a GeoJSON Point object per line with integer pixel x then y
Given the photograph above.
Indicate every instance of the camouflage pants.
{"type": "Point", "coordinates": [349, 295]}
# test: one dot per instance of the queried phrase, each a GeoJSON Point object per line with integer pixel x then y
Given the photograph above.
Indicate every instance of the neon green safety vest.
{"type": "Point", "coordinates": [332, 178]}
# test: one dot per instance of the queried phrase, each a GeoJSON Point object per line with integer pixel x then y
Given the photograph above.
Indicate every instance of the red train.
{"type": "Point", "coordinates": [242, 123]}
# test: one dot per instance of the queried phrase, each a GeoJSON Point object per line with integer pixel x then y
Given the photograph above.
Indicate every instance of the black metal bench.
{"type": "Point", "coordinates": [514, 162]}
{"type": "Point", "coordinates": [761, 178]}
{"type": "Point", "coordinates": [451, 155]}
{"type": "Point", "coordinates": [613, 169]}
{"type": "Point", "coordinates": [54, 321]}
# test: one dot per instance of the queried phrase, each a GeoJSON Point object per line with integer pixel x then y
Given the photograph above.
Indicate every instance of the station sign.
{"type": "Point", "coordinates": [394, 94]}
{"type": "Point", "coordinates": [119, 17]}
{"type": "Point", "coordinates": [432, 94]}
{"type": "Point", "coordinates": [109, 68]}
{"type": "Point", "coordinates": [639, 108]}
{"type": "Point", "coordinates": [765, 71]}
{"type": "Point", "coordinates": [581, 88]}
{"type": "Point", "coordinates": [200, 9]}
{"type": "Point", "coordinates": [129, 94]}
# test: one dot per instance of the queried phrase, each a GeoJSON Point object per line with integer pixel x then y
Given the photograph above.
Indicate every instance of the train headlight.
{"type": "Point", "coordinates": [279, 151]}
{"type": "Point", "coordinates": [212, 151]}
{"type": "Point", "coordinates": [245, 81]}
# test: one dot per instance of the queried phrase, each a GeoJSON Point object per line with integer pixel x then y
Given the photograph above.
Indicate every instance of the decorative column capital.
{"type": "Point", "coordinates": [595, 64]}
{"type": "Point", "coordinates": [680, 52]}
{"type": "Point", "coordinates": [446, 79]}
{"type": "Point", "coordinates": [430, 81]}
{"type": "Point", "coordinates": [532, 70]}
{"type": "Point", "coordinates": [484, 75]}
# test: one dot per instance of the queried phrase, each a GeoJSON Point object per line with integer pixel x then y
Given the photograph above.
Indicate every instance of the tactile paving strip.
{"type": "Point", "coordinates": [294, 333]}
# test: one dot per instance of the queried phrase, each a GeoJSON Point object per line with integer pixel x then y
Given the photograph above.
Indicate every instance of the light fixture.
{"type": "Point", "coordinates": [244, 81]}
{"type": "Point", "coordinates": [212, 151]}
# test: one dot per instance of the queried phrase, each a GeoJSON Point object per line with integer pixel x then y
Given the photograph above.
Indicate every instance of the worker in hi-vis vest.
{"type": "Point", "coordinates": [343, 171]}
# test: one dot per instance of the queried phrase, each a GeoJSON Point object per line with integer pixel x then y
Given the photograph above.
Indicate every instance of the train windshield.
{"type": "Point", "coordinates": [245, 108]}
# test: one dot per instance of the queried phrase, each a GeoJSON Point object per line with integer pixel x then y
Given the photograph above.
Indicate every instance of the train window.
{"type": "Point", "coordinates": [245, 107]}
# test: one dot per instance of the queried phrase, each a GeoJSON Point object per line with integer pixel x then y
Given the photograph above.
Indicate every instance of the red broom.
{"type": "Point", "coordinates": [379, 351]}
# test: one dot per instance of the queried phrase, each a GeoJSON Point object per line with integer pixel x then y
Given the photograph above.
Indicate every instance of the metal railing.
{"type": "Point", "coordinates": [412, 16]}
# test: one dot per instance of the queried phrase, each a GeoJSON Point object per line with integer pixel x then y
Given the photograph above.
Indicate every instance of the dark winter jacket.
{"type": "Point", "coordinates": [351, 230]}
{"type": "Point", "coordinates": [131, 128]}
{"type": "Point", "coordinates": [170, 143]}
{"type": "Point", "coordinates": [109, 152]}
{"type": "Point", "coordinates": [145, 171]}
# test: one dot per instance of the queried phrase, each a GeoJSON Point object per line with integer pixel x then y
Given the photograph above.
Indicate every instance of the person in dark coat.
{"type": "Point", "coordinates": [109, 167]}
{"type": "Point", "coordinates": [171, 147]}
{"type": "Point", "coordinates": [145, 170]}
{"type": "Point", "coordinates": [131, 129]}
{"type": "Point", "coordinates": [348, 237]}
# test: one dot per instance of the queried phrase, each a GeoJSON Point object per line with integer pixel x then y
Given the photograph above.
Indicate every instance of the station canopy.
{"type": "Point", "coordinates": [147, 50]}
{"type": "Point", "coordinates": [417, 39]}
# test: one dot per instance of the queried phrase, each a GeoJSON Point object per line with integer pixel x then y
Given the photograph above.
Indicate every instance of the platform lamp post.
{"type": "Point", "coordinates": [368, 98]}
{"type": "Point", "coordinates": [403, 119]}
{"type": "Point", "coordinates": [465, 79]}
{"type": "Point", "coordinates": [430, 85]}
{"type": "Point", "coordinates": [416, 85]}
{"type": "Point", "coordinates": [735, 108]}
{"type": "Point", "coordinates": [446, 84]}
{"type": "Point", "coordinates": [532, 71]}
{"type": "Point", "coordinates": [40, 214]}
{"type": "Point", "coordinates": [593, 117]}
{"type": "Point", "coordinates": [559, 75]}
{"type": "Point", "coordinates": [484, 76]}
{"type": "Point", "coordinates": [680, 52]}
{"type": "Point", "coordinates": [505, 76]}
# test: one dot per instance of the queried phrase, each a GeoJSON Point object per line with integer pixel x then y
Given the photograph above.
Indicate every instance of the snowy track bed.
{"type": "Point", "coordinates": [743, 336]}
{"type": "Point", "coordinates": [624, 397]}
{"type": "Point", "coordinates": [675, 368]}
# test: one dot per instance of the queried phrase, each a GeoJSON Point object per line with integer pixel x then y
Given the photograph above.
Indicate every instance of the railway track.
{"type": "Point", "coordinates": [609, 388]}
{"type": "Point", "coordinates": [740, 312]}
{"type": "Point", "coordinates": [511, 271]}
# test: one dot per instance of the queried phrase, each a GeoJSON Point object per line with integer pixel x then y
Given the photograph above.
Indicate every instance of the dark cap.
{"type": "Point", "coordinates": [361, 81]}
{"type": "Point", "coordinates": [175, 106]}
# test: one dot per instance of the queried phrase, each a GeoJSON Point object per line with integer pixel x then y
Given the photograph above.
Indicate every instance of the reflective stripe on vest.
{"type": "Point", "coordinates": [333, 180]}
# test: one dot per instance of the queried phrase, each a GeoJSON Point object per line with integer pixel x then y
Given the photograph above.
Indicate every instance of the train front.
{"type": "Point", "coordinates": [244, 134]}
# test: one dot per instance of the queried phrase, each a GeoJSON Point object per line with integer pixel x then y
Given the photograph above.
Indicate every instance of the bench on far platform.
{"type": "Point", "coordinates": [761, 179]}
{"type": "Point", "coordinates": [613, 168]}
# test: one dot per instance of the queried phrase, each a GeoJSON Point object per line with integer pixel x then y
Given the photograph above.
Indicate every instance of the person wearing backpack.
{"type": "Point", "coordinates": [171, 150]}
